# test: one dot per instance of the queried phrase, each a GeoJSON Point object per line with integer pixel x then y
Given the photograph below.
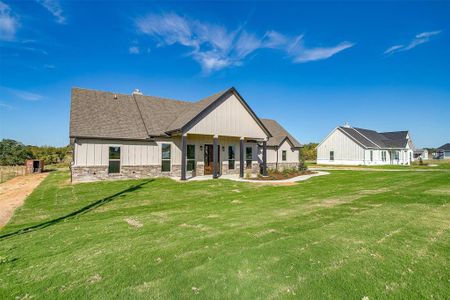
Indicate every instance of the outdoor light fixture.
{"type": "Point", "coordinates": [201, 148]}
{"type": "Point", "coordinates": [223, 148]}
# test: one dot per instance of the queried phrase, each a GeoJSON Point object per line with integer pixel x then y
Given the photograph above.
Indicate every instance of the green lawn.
{"type": "Point", "coordinates": [347, 235]}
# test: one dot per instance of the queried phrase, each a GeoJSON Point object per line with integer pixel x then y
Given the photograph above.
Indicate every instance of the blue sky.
{"type": "Point", "coordinates": [311, 66]}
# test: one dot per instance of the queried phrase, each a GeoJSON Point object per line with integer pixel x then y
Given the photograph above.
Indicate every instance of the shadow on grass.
{"type": "Point", "coordinates": [78, 212]}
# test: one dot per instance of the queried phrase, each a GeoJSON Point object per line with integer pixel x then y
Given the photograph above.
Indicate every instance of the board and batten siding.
{"type": "Point", "coordinates": [95, 152]}
{"type": "Point", "coordinates": [346, 151]}
{"type": "Point", "coordinates": [229, 118]}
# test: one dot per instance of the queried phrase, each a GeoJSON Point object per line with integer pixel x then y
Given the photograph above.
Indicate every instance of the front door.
{"type": "Point", "coordinates": [209, 158]}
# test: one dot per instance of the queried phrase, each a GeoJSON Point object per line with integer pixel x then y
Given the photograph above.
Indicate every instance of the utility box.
{"type": "Point", "coordinates": [34, 166]}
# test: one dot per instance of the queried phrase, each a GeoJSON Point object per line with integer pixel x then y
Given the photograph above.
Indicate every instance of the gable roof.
{"type": "Point", "coordinates": [373, 140]}
{"type": "Point", "coordinates": [279, 134]}
{"type": "Point", "coordinates": [108, 115]}
{"type": "Point", "coordinates": [445, 147]}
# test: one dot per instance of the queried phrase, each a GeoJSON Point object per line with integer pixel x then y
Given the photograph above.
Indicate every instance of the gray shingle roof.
{"type": "Point", "coordinates": [279, 134]}
{"type": "Point", "coordinates": [445, 147]}
{"type": "Point", "coordinates": [108, 115]}
{"type": "Point", "coordinates": [372, 139]}
{"type": "Point", "coordinates": [98, 114]}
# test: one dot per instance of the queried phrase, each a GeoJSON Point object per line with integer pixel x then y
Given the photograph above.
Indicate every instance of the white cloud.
{"type": "Point", "coordinates": [24, 95]}
{"type": "Point", "coordinates": [215, 47]}
{"type": "Point", "coordinates": [5, 106]}
{"type": "Point", "coordinates": [8, 23]}
{"type": "Point", "coordinates": [420, 38]}
{"type": "Point", "coordinates": [54, 7]}
{"type": "Point", "coordinates": [27, 95]}
{"type": "Point", "coordinates": [133, 50]}
{"type": "Point", "coordinates": [314, 54]}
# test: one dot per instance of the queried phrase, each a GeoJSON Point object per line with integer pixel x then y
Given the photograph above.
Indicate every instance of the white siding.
{"type": "Point", "coordinates": [346, 151]}
{"type": "Point", "coordinates": [230, 118]}
{"type": "Point", "coordinates": [94, 152]}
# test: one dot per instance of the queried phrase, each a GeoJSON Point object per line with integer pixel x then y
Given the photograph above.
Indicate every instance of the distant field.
{"type": "Point", "coordinates": [347, 235]}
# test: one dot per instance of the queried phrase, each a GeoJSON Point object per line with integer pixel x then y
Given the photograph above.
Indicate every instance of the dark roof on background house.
{"type": "Point", "coordinates": [445, 147]}
{"type": "Point", "coordinates": [279, 134]}
{"type": "Point", "coordinates": [98, 114]}
{"type": "Point", "coordinates": [372, 139]}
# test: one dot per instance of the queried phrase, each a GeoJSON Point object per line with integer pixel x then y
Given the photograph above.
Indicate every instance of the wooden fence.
{"type": "Point", "coordinates": [8, 172]}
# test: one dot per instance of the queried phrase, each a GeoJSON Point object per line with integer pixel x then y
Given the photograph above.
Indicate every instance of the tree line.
{"type": "Point", "coordinates": [15, 153]}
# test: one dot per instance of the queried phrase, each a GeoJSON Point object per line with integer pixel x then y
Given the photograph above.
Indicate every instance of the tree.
{"type": "Point", "coordinates": [13, 153]}
{"type": "Point", "coordinates": [309, 151]}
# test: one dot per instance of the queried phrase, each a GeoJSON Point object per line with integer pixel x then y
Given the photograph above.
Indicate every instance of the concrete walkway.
{"type": "Point", "coordinates": [235, 177]}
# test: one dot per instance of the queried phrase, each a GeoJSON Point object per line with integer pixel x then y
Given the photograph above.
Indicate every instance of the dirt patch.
{"type": "Point", "coordinates": [14, 192]}
{"type": "Point", "coordinates": [330, 202]}
{"type": "Point", "coordinates": [439, 192]}
{"type": "Point", "coordinates": [133, 222]}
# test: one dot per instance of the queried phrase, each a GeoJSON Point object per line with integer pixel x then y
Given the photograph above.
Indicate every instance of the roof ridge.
{"type": "Point", "coordinates": [122, 94]}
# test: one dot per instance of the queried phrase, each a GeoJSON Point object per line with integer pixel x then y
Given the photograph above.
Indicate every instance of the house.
{"type": "Point", "coordinates": [420, 154]}
{"type": "Point", "coordinates": [443, 152]}
{"type": "Point", "coordinates": [136, 136]}
{"type": "Point", "coordinates": [346, 145]}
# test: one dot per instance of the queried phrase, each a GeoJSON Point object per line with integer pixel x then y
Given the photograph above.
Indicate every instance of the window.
{"type": "Point", "coordinates": [191, 157]}
{"type": "Point", "coordinates": [383, 155]}
{"type": "Point", "coordinates": [331, 155]}
{"type": "Point", "coordinates": [396, 155]}
{"type": "Point", "coordinates": [114, 160]}
{"type": "Point", "coordinates": [283, 155]}
{"type": "Point", "coordinates": [165, 158]}
{"type": "Point", "coordinates": [248, 157]}
{"type": "Point", "coordinates": [231, 157]}
{"type": "Point", "coordinates": [371, 155]}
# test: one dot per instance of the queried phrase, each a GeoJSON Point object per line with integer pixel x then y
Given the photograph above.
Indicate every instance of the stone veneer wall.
{"type": "Point", "coordinates": [97, 173]}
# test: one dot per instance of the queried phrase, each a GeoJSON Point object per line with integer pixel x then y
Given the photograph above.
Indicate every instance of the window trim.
{"type": "Point", "coordinates": [233, 158]}
{"type": "Point", "coordinates": [283, 155]}
{"type": "Point", "coordinates": [248, 162]}
{"type": "Point", "coordinates": [190, 159]}
{"type": "Point", "coordinates": [114, 160]}
{"type": "Point", "coordinates": [166, 159]}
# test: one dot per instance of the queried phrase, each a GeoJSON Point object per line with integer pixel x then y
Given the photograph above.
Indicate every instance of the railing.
{"type": "Point", "coordinates": [8, 172]}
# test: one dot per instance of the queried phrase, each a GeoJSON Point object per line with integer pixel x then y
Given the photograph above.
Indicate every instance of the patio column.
{"type": "Point", "coordinates": [215, 157]}
{"type": "Point", "coordinates": [241, 157]}
{"type": "Point", "coordinates": [183, 156]}
{"type": "Point", "coordinates": [264, 157]}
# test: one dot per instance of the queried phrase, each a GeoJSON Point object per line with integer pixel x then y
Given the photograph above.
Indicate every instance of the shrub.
{"type": "Point", "coordinates": [302, 166]}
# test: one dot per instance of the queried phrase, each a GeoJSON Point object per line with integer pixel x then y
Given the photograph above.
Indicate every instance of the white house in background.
{"type": "Point", "coordinates": [136, 136]}
{"type": "Point", "coordinates": [421, 154]}
{"type": "Point", "coordinates": [443, 152]}
{"type": "Point", "coordinates": [347, 145]}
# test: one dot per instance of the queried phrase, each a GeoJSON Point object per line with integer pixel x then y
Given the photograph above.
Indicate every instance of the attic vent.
{"type": "Point", "coordinates": [346, 125]}
{"type": "Point", "coordinates": [136, 92]}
